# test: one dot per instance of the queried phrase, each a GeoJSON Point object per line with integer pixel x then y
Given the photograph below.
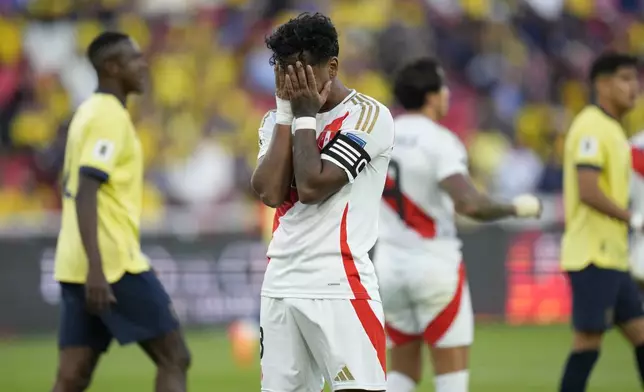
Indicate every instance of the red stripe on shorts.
{"type": "Point", "coordinates": [373, 328]}
{"type": "Point", "coordinates": [439, 326]}
{"type": "Point", "coordinates": [399, 338]}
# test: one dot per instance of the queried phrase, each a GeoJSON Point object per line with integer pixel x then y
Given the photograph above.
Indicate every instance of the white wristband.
{"type": "Point", "coordinates": [284, 115]}
{"type": "Point", "coordinates": [636, 221]}
{"type": "Point", "coordinates": [305, 123]}
{"type": "Point", "coordinates": [527, 206]}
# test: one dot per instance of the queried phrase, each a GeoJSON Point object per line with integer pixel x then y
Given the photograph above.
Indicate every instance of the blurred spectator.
{"type": "Point", "coordinates": [518, 172]}
{"type": "Point", "coordinates": [516, 70]}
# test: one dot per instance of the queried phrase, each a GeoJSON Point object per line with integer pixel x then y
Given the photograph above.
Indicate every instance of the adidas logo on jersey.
{"type": "Point", "coordinates": [344, 375]}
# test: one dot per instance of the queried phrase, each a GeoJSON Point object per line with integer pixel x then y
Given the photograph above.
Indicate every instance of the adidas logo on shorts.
{"type": "Point", "coordinates": [344, 375]}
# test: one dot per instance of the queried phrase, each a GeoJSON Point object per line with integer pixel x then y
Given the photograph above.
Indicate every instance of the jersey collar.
{"type": "Point", "coordinates": [606, 113]}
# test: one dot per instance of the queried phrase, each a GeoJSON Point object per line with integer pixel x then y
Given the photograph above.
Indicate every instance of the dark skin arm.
{"type": "Point", "coordinates": [591, 195]}
{"type": "Point", "coordinates": [316, 179]}
{"type": "Point", "coordinates": [470, 202]}
{"type": "Point", "coordinates": [98, 292]}
{"type": "Point", "coordinates": [274, 172]}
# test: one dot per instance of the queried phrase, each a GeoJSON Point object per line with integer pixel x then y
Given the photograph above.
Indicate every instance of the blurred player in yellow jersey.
{"type": "Point", "coordinates": [108, 289]}
{"type": "Point", "coordinates": [597, 168]}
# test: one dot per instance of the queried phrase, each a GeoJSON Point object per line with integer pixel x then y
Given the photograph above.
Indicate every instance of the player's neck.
{"type": "Point", "coordinates": [428, 112]}
{"type": "Point", "coordinates": [110, 88]}
{"type": "Point", "coordinates": [610, 109]}
{"type": "Point", "coordinates": [338, 93]}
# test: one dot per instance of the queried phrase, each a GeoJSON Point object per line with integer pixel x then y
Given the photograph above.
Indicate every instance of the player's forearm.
{"type": "Point", "coordinates": [596, 199]}
{"type": "Point", "coordinates": [307, 166]}
{"type": "Point", "coordinates": [470, 202]}
{"type": "Point", "coordinates": [87, 216]}
{"type": "Point", "coordinates": [274, 173]}
{"type": "Point", "coordinates": [483, 208]}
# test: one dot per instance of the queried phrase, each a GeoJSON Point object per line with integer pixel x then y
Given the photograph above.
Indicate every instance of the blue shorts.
{"type": "Point", "coordinates": [602, 298]}
{"type": "Point", "coordinates": [143, 311]}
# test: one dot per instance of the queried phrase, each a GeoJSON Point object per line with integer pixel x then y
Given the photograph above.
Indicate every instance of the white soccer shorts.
{"type": "Point", "coordinates": [305, 341]}
{"type": "Point", "coordinates": [425, 298]}
{"type": "Point", "coordinates": [637, 257]}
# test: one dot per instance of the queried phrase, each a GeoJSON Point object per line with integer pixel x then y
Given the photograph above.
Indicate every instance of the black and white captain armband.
{"type": "Point", "coordinates": [346, 153]}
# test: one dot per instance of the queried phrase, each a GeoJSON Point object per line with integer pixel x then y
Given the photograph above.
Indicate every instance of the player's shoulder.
{"type": "Point", "coordinates": [591, 120]}
{"type": "Point", "coordinates": [444, 140]}
{"type": "Point", "coordinates": [373, 113]}
{"type": "Point", "coordinates": [356, 98]}
{"type": "Point", "coordinates": [428, 133]}
{"type": "Point", "coordinates": [101, 110]}
{"type": "Point", "coordinates": [104, 105]}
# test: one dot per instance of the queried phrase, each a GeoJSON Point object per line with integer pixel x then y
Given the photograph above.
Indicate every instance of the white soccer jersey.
{"type": "Point", "coordinates": [417, 216]}
{"type": "Point", "coordinates": [321, 250]}
{"type": "Point", "coordinates": [637, 205]}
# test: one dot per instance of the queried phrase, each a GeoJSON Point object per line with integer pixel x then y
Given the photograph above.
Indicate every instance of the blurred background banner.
{"type": "Point", "coordinates": [215, 279]}
{"type": "Point", "coordinates": [516, 69]}
{"type": "Point", "coordinates": [212, 279]}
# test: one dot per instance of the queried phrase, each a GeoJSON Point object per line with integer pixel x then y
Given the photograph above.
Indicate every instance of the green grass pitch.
{"type": "Point", "coordinates": [504, 359]}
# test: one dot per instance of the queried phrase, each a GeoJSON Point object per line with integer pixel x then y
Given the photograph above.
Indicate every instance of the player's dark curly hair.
{"type": "Point", "coordinates": [609, 62]}
{"type": "Point", "coordinates": [415, 80]}
{"type": "Point", "coordinates": [311, 33]}
{"type": "Point", "coordinates": [100, 47]}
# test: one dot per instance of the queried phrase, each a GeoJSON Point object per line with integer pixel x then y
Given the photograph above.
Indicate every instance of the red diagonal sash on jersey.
{"type": "Point", "coordinates": [368, 318]}
{"type": "Point", "coordinates": [330, 130]}
{"type": "Point", "coordinates": [637, 156]}
{"type": "Point", "coordinates": [327, 134]}
{"type": "Point", "coordinates": [284, 208]}
{"type": "Point", "coordinates": [413, 216]}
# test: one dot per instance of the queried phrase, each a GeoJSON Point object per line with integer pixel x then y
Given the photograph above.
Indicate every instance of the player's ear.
{"type": "Point", "coordinates": [333, 66]}
{"type": "Point", "coordinates": [111, 67]}
{"type": "Point", "coordinates": [431, 99]}
{"type": "Point", "coordinates": [602, 85]}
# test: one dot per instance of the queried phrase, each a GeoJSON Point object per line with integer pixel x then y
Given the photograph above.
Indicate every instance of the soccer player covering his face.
{"type": "Point", "coordinates": [323, 160]}
{"type": "Point", "coordinates": [418, 257]}
{"type": "Point", "coordinates": [108, 289]}
{"type": "Point", "coordinates": [595, 251]}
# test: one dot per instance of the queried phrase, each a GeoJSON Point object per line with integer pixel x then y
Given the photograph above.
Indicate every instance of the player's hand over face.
{"type": "Point", "coordinates": [98, 293]}
{"type": "Point", "coordinates": [280, 86]}
{"type": "Point", "coordinates": [306, 99]}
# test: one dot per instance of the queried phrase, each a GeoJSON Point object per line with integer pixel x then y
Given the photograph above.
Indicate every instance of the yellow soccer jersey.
{"type": "Point", "coordinates": [102, 142]}
{"type": "Point", "coordinates": [596, 140]}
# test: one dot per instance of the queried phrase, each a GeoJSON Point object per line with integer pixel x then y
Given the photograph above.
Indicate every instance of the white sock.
{"type": "Point", "coordinates": [452, 382]}
{"type": "Point", "coordinates": [398, 382]}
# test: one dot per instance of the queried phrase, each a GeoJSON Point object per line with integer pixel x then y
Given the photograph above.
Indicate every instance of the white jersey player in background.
{"type": "Point", "coordinates": [321, 314]}
{"type": "Point", "coordinates": [418, 256]}
{"type": "Point", "coordinates": [637, 202]}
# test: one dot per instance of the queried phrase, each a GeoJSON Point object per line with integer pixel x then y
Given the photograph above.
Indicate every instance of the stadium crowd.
{"type": "Point", "coordinates": [516, 71]}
